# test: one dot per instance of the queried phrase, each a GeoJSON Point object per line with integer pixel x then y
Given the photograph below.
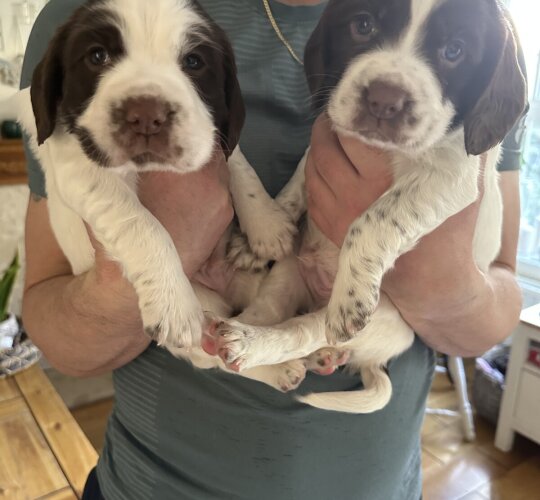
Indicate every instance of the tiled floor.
{"type": "Point", "coordinates": [453, 469]}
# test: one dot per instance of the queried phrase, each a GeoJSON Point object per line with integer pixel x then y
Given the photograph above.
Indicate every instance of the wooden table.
{"type": "Point", "coordinates": [12, 162]}
{"type": "Point", "coordinates": [43, 452]}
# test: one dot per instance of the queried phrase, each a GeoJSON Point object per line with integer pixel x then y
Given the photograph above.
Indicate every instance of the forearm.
{"type": "Point", "coordinates": [80, 331]}
{"type": "Point", "coordinates": [483, 317]}
{"type": "Point", "coordinates": [91, 323]}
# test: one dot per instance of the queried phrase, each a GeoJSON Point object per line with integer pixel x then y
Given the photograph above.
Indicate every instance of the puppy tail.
{"type": "Point", "coordinates": [375, 395]}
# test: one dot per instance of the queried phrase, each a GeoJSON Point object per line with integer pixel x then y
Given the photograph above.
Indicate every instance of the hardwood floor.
{"type": "Point", "coordinates": [453, 469]}
{"type": "Point", "coordinates": [93, 420]}
{"type": "Point", "coordinates": [456, 470]}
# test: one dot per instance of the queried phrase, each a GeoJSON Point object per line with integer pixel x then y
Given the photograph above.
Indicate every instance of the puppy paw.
{"type": "Point", "coordinates": [271, 233]}
{"type": "Point", "coordinates": [235, 344]}
{"type": "Point", "coordinates": [289, 375]}
{"type": "Point", "coordinates": [241, 256]}
{"type": "Point", "coordinates": [173, 321]}
{"type": "Point", "coordinates": [325, 361]}
{"type": "Point", "coordinates": [348, 313]}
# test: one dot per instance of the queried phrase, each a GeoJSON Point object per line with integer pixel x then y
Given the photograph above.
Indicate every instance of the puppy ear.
{"type": "Point", "coordinates": [503, 102]}
{"type": "Point", "coordinates": [315, 64]}
{"type": "Point", "coordinates": [236, 113]}
{"type": "Point", "coordinates": [46, 86]}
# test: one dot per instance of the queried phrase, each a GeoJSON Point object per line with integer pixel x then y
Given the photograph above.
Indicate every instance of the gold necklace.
{"type": "Point", "coordinates": [279, 34]}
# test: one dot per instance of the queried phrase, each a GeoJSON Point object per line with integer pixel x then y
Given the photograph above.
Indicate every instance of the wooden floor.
{"type": "Point", "coordinates": [452, 468]}
{"type": "Point", "coordinates": [456, 470]}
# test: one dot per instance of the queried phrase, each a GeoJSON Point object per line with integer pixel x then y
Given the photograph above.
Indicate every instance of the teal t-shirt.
{"type": "Point", "coordinates": [181, 433]}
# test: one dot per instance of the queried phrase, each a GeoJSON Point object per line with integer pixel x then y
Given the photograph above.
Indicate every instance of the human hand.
{"type": "Point", "coordinates": [343, 178]}
{"type": "Point", "coordinates": [195, 209]}
{"type": "Point", "coordinates": [439, 277]}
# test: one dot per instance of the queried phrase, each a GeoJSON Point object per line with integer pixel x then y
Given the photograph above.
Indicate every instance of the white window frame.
{"type": "Point", "coordinates": [528, 269]}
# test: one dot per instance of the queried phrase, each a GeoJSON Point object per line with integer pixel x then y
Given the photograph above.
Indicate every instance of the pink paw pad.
{"type": "Point", "coordinates": [325, 361]}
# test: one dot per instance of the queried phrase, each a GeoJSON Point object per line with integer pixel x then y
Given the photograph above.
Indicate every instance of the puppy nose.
{"type": "Point", "coordinates": [385, 101]}
{"type": "Point", "coordinates": [146, 115]}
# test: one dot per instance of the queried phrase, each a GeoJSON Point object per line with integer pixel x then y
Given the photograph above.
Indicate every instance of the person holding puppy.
{"type": "Point", "coordinates": [177, 432]}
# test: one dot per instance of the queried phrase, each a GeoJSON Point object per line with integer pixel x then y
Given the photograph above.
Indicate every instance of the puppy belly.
{"type": "Point", "coordinates": [319, 272]}
{"type": "Point", "coordinates": [216, 274]}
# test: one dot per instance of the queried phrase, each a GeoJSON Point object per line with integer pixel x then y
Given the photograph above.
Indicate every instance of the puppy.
{"type": "Point", "coordinates": [129, 86]}
{"type": "Point", "coordinates": [435, 83]}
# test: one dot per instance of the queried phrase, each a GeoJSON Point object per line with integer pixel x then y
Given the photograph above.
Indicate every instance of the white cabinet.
{"type": "Point", "coordinates": [520, 408]}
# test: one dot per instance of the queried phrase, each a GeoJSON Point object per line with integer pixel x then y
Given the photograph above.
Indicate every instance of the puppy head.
{"type": "Point", "coordinates": [400, 74]}
{"type": "Point", "coordinates": [149, 82]}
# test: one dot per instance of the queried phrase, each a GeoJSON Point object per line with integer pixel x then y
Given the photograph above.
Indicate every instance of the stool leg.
{"type": "Point", "coordinates": [455, 365]}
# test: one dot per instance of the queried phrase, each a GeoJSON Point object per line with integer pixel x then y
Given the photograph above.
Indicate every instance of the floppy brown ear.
{"type": "Point", "coordinates": [46, 87]}
{"type": "Point", "coordinates": [315, 64]}
{"type": "Point", "coordinates": [236, 113]}
{"type": "Point", "coordinates": [503, 102]}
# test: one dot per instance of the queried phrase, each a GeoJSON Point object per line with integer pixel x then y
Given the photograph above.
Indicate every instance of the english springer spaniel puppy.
{"type": "Point", "coordinates": [129, 86]}
{"type": "Point", "coordinates": [436, 83]}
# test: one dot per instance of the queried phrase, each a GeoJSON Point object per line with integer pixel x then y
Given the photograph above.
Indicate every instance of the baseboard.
{"type": "Point", "coordinates": [81, 391]}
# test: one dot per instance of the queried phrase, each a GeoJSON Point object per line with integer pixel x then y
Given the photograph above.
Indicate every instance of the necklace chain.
{"type": "Point", "coordinates": [279, 34]}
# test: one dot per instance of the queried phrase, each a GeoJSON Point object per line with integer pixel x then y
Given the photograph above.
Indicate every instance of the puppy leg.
{"type": "Point", "coordinates": [292, 198]}
{"type": "Point", "coordinates": [245, 346]}
{"type": "Point", "coordinates": [248, 194]}
{"type": "Point", "coordinates": [170, 310]}
{"type": "Point", "coordinates": [386, 337]}
{"type": "Point", "coordinates": [268, 228]}
{"type": "Point", "coordinates": [417, 203]}
{"type": "Point", "coordinates": [284, 377]}
{"type": "Point", "coordinates": [281, 295]}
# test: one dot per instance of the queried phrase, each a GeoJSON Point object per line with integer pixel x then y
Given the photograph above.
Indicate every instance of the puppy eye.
{"type": "Point", "coordinates": [98, 56]}
{"type": "Point", "coordinates": [363, 27]}
{"type": "Point", "coordinates": [454, 51]}
{"type": "Point", "coordinates": [193, 62]}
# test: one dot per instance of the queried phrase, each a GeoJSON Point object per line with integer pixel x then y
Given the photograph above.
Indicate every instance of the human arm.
{"type": "Point", "coordinates": [90, 323]}
{"type": "Point", "coordinates": [437, 287]}
{"type": "Point", "coordinates": [441, 293]}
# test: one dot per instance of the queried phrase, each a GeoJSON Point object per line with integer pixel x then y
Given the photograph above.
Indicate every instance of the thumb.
{"type": "Point", "coordinates": [371, 162]}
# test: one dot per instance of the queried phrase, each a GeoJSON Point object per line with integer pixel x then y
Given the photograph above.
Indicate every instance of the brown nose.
{"type": "Point", "coordinates": [385, 101]}
{"type": "Point", "coordinates": [146, 115]}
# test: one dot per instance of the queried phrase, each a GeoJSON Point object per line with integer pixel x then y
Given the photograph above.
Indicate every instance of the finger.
{"type": "Point", "coordinates": [322, 223]}
{"type": "Point", "coordinates": [320, 196]}
{"type": "Point", "coordinates": [223, 170]}
{"type": "Point", "coordinates": [329, 158]}
{"type": "Point", "coordinates": [369, 162]}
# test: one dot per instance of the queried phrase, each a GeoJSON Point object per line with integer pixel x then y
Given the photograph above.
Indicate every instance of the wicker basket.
{"type": "Point", "coordinates": [488, 384]}
{"type": "Point", "coordinates": [22, 355]}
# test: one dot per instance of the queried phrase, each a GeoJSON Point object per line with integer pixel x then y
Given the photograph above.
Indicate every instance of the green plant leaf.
{"type": "Point", "coordinates": [6, 285]}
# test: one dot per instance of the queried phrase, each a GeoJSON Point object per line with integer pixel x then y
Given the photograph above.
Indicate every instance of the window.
{"type": "Point", "coordinates": [16, 20]}
{"type": "Point", "coordinates": [526, 14]}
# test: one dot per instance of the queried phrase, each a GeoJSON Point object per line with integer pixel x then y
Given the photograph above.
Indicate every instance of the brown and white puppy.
{"type": "Point", "coordinates": [128, 86]}
{"type": "Point", "coordinates": [435, 83]}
